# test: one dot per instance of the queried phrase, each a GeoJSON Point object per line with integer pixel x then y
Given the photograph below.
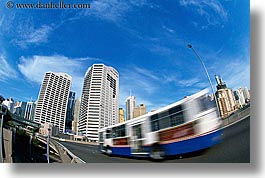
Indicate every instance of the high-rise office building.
{"type": "Point", "coordinates": [53, 98]}
{"type": "Point", "coordinates": [70, 112]}
{"type": "Point", "coordinates": [139, 110]}
{"type": "Point", "coordinates": [76, 116]}
{"type": "Point", "coordinates": [30, 110]}
{"type": "Point", "coordinates": [25, 109]}
{"type": "Point", "coordinates": [130, 105]}
{"type": "Point", "coordinates": [121, 115]}
{"type": "Point", "coordinates": [242, 96]}
{"type": "Point", "coordinates": [225, 98]}
{"type": "Point", "coordinates": [19, 108]}
{"type": "Point", "coordinates": [246, 93]}
{"type": "Point", "coordinates": [100, 100]}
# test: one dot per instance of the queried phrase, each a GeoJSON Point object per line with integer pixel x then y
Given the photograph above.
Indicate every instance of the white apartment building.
{"type": "Point", "coordinates": [53, 98]}
{"type": "Point", "coordinates": [99, 101]}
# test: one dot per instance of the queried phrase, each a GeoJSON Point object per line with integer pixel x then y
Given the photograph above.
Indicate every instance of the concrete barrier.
{"type": "Point", "coordinates": [66, 155]}
{"type": "Point", "coordinates": [241, 114]}
{"type": "Point", "coordinates": [7, 147]}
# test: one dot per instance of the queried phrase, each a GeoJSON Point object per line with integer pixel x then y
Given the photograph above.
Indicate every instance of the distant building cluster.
{"type": "Point", "coordinates": [58, 109]}
{"type": "Point", "coordinates": [21, 108]}
{"type": "Point", "coordinates": [228, 100]}
{"type": "Point", "coordinates": [133, 111]}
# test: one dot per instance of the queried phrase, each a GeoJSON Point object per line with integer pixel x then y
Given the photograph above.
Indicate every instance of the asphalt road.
{"type": "Point", "coordinates": [235, 148]}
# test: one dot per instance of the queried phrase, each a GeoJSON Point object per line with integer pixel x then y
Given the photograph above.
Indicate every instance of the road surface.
{"type": "Point", "coordinates": [235, 148]}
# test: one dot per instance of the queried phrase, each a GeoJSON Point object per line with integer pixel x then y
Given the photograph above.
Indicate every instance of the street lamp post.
{"type": "Point", "coordinates": [209, 79]}
{"type": "Point", "coordinates": [48, 145]}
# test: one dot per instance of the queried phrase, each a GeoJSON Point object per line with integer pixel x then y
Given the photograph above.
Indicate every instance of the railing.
{"type": "Point", "coordinates": [66, 155]}
{"type": "Point", "coordinates": [51, 145]}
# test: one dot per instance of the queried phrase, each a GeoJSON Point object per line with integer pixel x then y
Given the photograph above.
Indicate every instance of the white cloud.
{"type": "Point", "coordinates": [168, 29]}
{"type": "Point", "coordinates": [6, 71]}
{"type": "Point", "coordinates": [237, 74]}
{"type": "Point", "coordinates": [161, 50]}
{"type": "Point", "coordinates": [140, 95]}
{"type": "Point", "coordinates": [141, 82]}
{"type": "Point", "coordinates": [145, 72]}
{"type": "Point", "coordinates": [212, 10]}
{"type": "Point", "coordinates": [34, 68]}
{"type": "Point", "coordinates": [27, 35]}
{"type": "Point", "coordinates": [139, 79]}
{"type": "Point", "coordinates": [114, 10]}
{"type": "Point", "coordinates": [188, 83]}
{"type": "Point", "coordinates": [111, 10]}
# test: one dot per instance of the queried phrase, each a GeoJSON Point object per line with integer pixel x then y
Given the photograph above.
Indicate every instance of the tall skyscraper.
{"type": "Point", "coordinates": [53, 98]}
{"type": "Point", "coordinates": [70, 112]}
{"type": "Point", "coordinates": [225, 98]}
{"type": "Point", "coordinates": [76, 115]}
{"type": "Point", "coordinates": [20, 108]}
{"type": "Point", "coordinates": [130, 105]}
{"type": "Point", "coordinates": [100, 100]}
{"type": "Point", "coordinates": [29, 111]}
{"type": "Point", "coordinates": [25, 109]}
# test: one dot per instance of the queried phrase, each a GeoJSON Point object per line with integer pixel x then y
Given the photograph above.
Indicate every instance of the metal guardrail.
{"type": "Point", "coordinates": [52, 145]}
{"type": "Point", "coordinates": [66, 155]}
{"type": "Point", "coordinates": [72, 158]}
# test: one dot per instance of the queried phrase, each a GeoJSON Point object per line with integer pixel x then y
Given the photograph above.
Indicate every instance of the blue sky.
{"type": "Point", "coordinates": [145, 41]}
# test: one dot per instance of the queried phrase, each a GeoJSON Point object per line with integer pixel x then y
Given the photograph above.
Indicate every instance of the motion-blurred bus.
{"type": "Point", "coordinates": [188, 125]}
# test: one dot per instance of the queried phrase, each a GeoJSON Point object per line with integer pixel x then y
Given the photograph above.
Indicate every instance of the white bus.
{"type": "Point", "coordinates": [188, 125]}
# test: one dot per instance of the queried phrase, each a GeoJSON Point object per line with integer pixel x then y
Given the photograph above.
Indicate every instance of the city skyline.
{"type": "Point", "coordinates": [146, 42]}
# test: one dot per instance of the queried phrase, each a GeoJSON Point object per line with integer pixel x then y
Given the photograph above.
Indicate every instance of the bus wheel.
{"type": "Point", "coordinates": [108, 150]}
{"type": "Point", "coordinates": [157, 152]}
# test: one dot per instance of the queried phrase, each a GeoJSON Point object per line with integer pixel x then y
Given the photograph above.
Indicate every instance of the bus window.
{"type": "Point", "coordinates": [166, 119]}
{"type": "Point", "coordinates": [137, 131]}
{"type": "Point", "coordinates": [154, 122]}
{"type": "Point", "coordinates": [206, 103]}
{"type": "Point", "coordinates": [118, 131]}
{"type": "Point", "coordinates": [101, 137]}
{"type": "Point", "coordinates": [108, 133]}
{"type": "Point", "coordinates": [114, 132]}
{"type": "Point", "coordinates": [176, 115]}
{"type": "Point", "coordinates": [122, 131]}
